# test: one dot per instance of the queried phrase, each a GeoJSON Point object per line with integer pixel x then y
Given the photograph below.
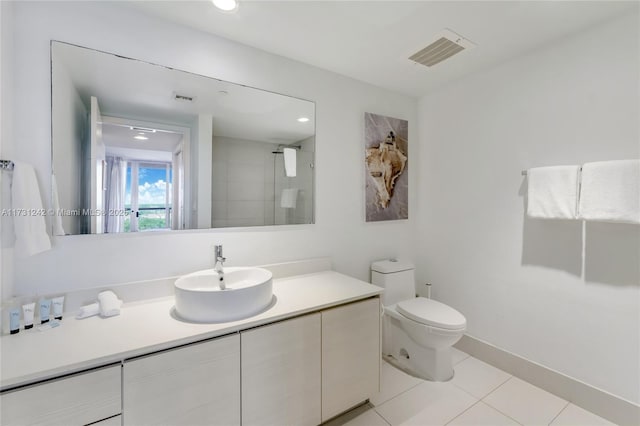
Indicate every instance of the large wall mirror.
{"type": "Point", "coordinates": [139, 147]}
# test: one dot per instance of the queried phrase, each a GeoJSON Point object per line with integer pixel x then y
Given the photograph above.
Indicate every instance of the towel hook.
{"type": "Point", "coordinates": [6, 165]}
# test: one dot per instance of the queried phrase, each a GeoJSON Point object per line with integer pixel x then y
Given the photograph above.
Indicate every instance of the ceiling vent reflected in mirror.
{"type": "Point", "coordinates": [183, 98]}
{"type": "Point", "coordinates": [446, 44]}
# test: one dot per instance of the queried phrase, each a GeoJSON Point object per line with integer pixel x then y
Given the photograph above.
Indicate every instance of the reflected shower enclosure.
{"type": "Point", "coordinates": [252, 186]}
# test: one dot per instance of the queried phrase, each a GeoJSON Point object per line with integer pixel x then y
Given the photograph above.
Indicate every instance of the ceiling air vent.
{"type": "Point", "coordinates": [446, 45]}
{"type": "Point", "coordinates": [183, 98]}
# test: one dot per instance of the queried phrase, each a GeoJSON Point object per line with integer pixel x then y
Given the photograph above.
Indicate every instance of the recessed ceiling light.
{"type": "Point", "coordinates": [141, 138]}
{"type": "Point", "coordinates": [226, 5]}
{"type": "Point", "coordinates": [303, 119]}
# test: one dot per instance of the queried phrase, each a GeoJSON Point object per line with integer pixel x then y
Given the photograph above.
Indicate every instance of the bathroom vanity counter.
{"type": "Point", "coordinates": [146, 327]}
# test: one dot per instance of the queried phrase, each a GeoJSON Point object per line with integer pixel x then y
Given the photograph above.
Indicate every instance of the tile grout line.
{"type": "Point", "coordinates": [559, 412]}
{"type": "Point", "coordinates": [463, 359]}
{"type": "Point", "coordinates": [395, 396]}
{"type": "Point", "coordinates": [497, 387]}
{"type": "Point", "coordinates": [380, 415]}
{"type": "Point", "coordinates": [383, 417]}
{"type": "Point", "coordinates": [495, 408]}
{"type": "Point", "coordinates": [464, 411]}
{"type": "Point", "coordinates": [490, 391]}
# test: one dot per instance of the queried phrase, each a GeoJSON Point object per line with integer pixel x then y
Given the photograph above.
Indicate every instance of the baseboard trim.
{"type": "Point", "coordinates": [602, 403]}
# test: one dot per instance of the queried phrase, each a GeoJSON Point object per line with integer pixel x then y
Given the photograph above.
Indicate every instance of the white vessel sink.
{"type": "Point", "coordinates": [199, 298]}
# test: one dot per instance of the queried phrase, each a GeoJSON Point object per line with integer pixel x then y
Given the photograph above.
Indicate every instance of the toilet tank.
{"type": "Point", "coordinates": [396, 277]}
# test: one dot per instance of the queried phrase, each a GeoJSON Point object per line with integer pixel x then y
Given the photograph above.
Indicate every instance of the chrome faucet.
{"type": "Point", "coordinates": [219, 266]}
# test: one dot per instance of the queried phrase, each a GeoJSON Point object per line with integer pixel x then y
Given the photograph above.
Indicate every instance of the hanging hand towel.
{"type": "Point", "coordinates": [610, 191]}
{"type": "Point", "coordinates": [552, 192]}
{"type": "Point", "coordinates": [289, 162]}
{"type": "Point", "coordinates": [289, 198]}
{"type": "Point", "coordinates": [28, 221]}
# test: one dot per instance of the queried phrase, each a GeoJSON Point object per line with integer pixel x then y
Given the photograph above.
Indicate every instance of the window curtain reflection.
{"type": "Point", "coordinates": [114, 198]}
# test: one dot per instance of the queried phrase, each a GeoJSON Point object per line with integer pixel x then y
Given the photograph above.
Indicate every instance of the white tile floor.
{"type": "Point", "coordinates": [479, 394]}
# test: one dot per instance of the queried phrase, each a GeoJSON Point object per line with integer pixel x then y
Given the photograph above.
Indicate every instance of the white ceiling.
{"type": "Point", "coordinates": [371, 40]}
{"type": "Point", "coordinates": [120, 136]}
{"type": "Point", "coordinates": [139, 90]}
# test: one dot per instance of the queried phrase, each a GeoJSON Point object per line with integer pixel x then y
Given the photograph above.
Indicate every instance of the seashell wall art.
{"type": "Point", "coordinates": [386, 157]}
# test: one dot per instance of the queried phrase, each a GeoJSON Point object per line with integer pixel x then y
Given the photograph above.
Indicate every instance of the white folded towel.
{"type": "Point", "coordinates": [88, 311]}
{"type": "Point", "coordinates": [289, 161]}
{"type": "Point", "coordinates": [610, 191]}
{"type": "Point", "coordinates": [28, 221]}
{"type": "Point", "coordinates": [552, 192]}
{"type": "Point", "coordinates": [289, 198]}
{"type": "Point", "coordinates": [109, 304]}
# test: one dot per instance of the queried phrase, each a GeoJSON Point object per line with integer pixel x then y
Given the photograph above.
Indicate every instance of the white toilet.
{"type": "Point", "coordinates": [417, 332]}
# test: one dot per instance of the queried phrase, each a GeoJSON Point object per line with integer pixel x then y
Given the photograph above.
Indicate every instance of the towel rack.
{"type": "Point", "coordinates": [524, 172]}
{"type": "Point", "coordinates": [6, 165]}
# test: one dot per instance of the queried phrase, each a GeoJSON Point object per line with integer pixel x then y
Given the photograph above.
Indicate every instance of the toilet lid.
{"type": "Point", "coordinates": [429, 312]}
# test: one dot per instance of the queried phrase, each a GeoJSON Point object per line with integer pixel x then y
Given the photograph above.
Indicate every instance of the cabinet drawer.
{"type": "Point", "coordinates": [75, 400]}
{"type": "Point", "coordinates": [198, 384]}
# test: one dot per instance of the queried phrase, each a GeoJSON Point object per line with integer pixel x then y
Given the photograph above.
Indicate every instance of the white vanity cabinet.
{"type": "Point", "coordinates": [197, 384]}
{"type": "Point", "coordinates": [299, 371]}
{"type": "Point", "coordinates": [350, 356]}
{"type": "Point", "coordinates": [281, 373]}
{"type": "Point", "coordinates": [78, 399]}
{"type": "Point", "coordinates": [309, 369]}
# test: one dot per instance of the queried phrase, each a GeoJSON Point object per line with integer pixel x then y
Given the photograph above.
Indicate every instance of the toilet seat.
{"type": "Point", "coordinates": [432, 313]}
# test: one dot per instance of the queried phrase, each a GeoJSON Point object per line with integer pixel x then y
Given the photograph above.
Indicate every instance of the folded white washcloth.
{"type": "Point", "coordinates": [30, 227]}
{"type": "Point", "coordinates": [289, 198]}
{"type": "Point", "coordinates": [88, 311]}
{"type": "Point", "coordinates": [552, 192]}
{"type": "Point", "coordinates": [610, 191]}
{"type": "Point", "coordinates": [109, 304]}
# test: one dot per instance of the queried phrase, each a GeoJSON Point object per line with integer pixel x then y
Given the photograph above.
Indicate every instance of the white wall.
{"type": "Point", "coordinates": [6, 152]}
{"type": "Point", "coordinates": [71, 131]}
{"type": "Point", "coordinates": [340, 231]}
{"type": "Point", "coordinates": [520, 282]}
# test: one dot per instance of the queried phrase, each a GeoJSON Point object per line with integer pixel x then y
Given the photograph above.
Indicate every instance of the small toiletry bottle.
{"type": "Point", "coordinates": [28, 310]}
{"type": "Point", "coordinates": [45, 310]}
{"type": "Point", "coordinates": [57, 303]}
{"type": "Point", "coordinates": [6, 306]}
{"type": "Point", "coordinates": [14, 320]}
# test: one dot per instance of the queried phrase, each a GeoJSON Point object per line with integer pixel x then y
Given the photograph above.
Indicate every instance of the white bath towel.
{"type": "Point", "coordinates": [109, 304]}
{"type": "Point", "coordinates": [28, 217]}
{"type": "Point", "coordinates": [289, 198]}
{"type": "Point", "coordinates": [289, 161]}
{"type": "Point", "coordinates": [610, 191]}
{"type": "Point", "coordinates": [552, 192]}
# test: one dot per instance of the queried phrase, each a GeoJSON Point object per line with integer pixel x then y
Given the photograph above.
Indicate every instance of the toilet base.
{"type": "Point", "coordinates": [433, 364]}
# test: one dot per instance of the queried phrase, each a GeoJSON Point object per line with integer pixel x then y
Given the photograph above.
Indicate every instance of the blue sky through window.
{"type": "Point", "coordinates": [152, 186]}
